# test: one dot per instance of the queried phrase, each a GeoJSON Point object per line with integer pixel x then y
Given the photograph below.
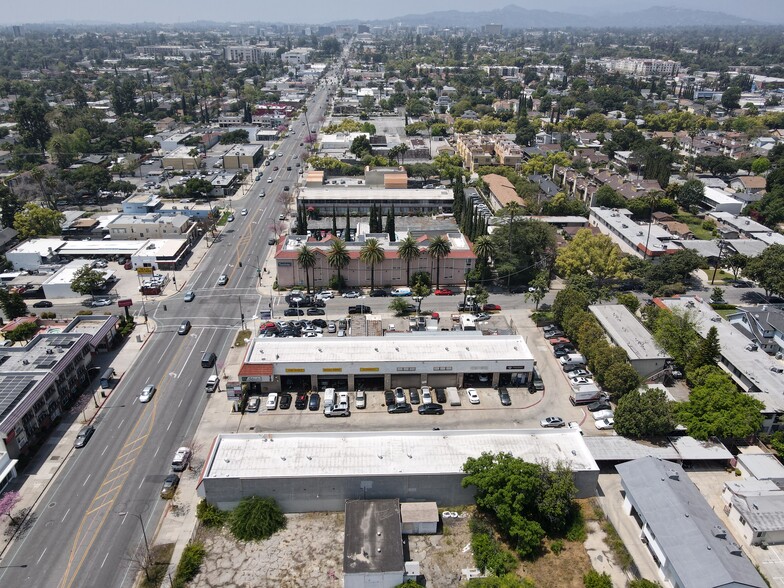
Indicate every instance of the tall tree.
{"type": "Point", "coordinates": [484, 249]}
{"type": "Point", "coordinates": [646, 414]}
{"type": "Point", "coordinates": [334, 222]}
{"type": "Point", "coordinates": [439, 248]}
{"type": "Point", "coordinates": [408, 250]}
{"type": "Point", "coordinates": [593, 255]}
{"type": "Point", "coordinates": [338, 257]}
{"type": "Point", "coordinates": [87, 280]}
{"type": "Point", "coordinates": [37, 221]}
{"type": "Point", "coordinates": [372, 253]}
{"type": "Point", "coordinates": [389, 229]}
{"type": "Point", "coordinates": [30, 115]}
{"type": "Point", "coordinates": [347, 236]}
{"type": "Point", "coordinates": [458, 203]}
{"type": "Point", "coordinates": [511, 211]}
{"type": "Point", "coordinates": [9, 206]}
{"type": "Point", "coordinates": [306, 258]}
{"type": "Point", "coordinates": [13, 304]}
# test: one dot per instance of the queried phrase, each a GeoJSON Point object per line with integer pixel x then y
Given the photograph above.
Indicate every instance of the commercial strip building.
{"type": "Point", "coordinates": [625, 331]}
{"type": "Point", "coordinates": [244, 157]}
{"type": "Point", "coordinates": [152, 225]}
{"type": "Point", "coordinates": [311, 472]}
{"type": "Point", "coordinates": [440, 359]}
{"type": "Point", "coordinates": [148, 202]}
{"type": "Point", "coordinates": [390, 272]}
{"type": "Point", "coordinates": [688, 542]}
{"type": "Point", "coordinates": [752, 369]}
{"type": "Point", "coordinates": [647, 241]}
{"type": "Point", "coordinates": [358, 200]}
{"type": "Point", "coordinates": [42, 379]}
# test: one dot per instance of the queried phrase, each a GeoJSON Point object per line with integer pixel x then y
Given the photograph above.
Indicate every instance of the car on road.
{"type": "Point", "coordinates": [258, 176]}
{"type": "Point", "coordinates": [350, 294]}
{"type": "Point", "coordinates": [599, 405]}
{"type": "Point", "coordinates": [147, 393]}
{"type": "Point", "coordinates": [212, 383]}
{"type": "Point", "coordinates": [473, 395]}
{"type": "Point", "coordinates": [431, 408]}
{"type": "Point", "coordinates": [42, 304]}
{"type": "Point", "coordinates": [276, 168]}
{"type": "Point", "coordinates": [181, 459]}
{"type": "Point", "coordinates": [185, 326]}
{"type": "Point", "coordinates": [262, 194]}
{"type": "Point", "coordinates": [440, 395]}
{"type": "Point", "coordinates": [301, 401]}
{"type": "Point", "coordinates": [316, 312]}
{"type": "Point", "coordinates": [389, 397]}
{"type": "Point", "coordinates": [169, 487]}
{"type": "Point", "coordinates": [379, 294]}
{"type": "Point", "coordinates": [285, 401]}
{"type": "Point", "coordinates": [315, 401]}
{"type": "Point", "coordinates": [293, 312]}
{"type": "Point", "coordinates": [272, 401]}
{"type": "Point", "coordinates": [253, 404]}
{"type": "Point", "coordinates": [281, 217]}
{"type": "Point", "coordinates": [189, 296]}
{"type": "Point", "coordinates": [272, 241]}
{"type": "Point", "coordinates": [491, 307]}
{"type": "Point", "coordinates": [399, 408]}
{"type": "Point", "coordinates": [223, 279]}
{"type": "Point", "coordinates": [552, 422]}
{"type": "Point", "coordinates": [359, 309]}
{"type": "Point", "coordinates": [84, 436]}
{"type": "Point", "coordinates": [269, 180]}
{"type": "Point", "coordinates": [100, 302]}
{"type": "Point", "coordinates": [230, 218]}
{"type": "Point", "coordinates": [244, 212]}
{"type": "Point", "coordinates": [361, 399]}
{"type": "Point", "coordinates": [503, 395]}
{"type": "Point", "coordinates": [742, 284]}
{"type": "Point", "coordinates": [443, 292]}
{"type": "Point", "coordinates": [604, 424]}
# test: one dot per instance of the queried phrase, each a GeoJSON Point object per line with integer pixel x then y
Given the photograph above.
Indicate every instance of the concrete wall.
{"type": "Point", "coordinates": [374, 580]}
{"type": "Point", "coordinates": [330, 494]}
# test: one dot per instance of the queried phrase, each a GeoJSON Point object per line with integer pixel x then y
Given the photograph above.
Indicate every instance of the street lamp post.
{"type": "Point", "coordinates": [718, 260]}
{"type": "Point", "coordinates": [144, 534]}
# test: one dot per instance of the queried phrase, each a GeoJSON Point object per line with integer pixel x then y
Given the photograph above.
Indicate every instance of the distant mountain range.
{"type": "Point", "coordinates": [515, 17]}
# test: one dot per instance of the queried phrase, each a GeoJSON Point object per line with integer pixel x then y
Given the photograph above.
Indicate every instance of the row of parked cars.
{"type": "Point", "coordinates": [303, 328]}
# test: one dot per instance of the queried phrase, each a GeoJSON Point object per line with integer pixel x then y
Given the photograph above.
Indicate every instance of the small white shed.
{"type": "Point", "coordinates": [419, 518]}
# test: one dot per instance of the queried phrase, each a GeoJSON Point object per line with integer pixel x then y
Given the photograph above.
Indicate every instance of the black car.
{"type": "Point", "coordinates": [321, 323]}
{"type": "Point", "coordinates": [170, 484]}
{"type": "Point", "coordinates": [359, 309]}
{"type": "Point", "coordinates": [285, 401]}
{"type": "Point", "coordinates": [302, 401]}
{"type": "Point", "coordinates": [379, 294]}
{"type": "Point", "coordinates": [398, 408]}
{"type": "Point", "coordinates": [293, 312]}
{"type": "Point", "coordinates": [42, 304]}
{"type": "Point", "coordinates": [84, 436]}
{"type": "Point", "coordinates": [562, 346]}
{"type": "Point", "coordinates": [441, 395]}
{"type": "Point", "coordinates": [431, 408]}
{"type": "Point", "coordinates": [314, 402]}
{"type": "Point", "coordinates": [503, 394]}
{"type": "Point", "coordinates": [563, 351]}
{"type": "Point", "coordinates": [742, 284]}
{"type": "Point", "coordinates": [599, 405]}
{"type": "Point", "coordinates": [316, 312]}
{"type": "Point", "coordinates": [414, 395]}
{"type": "Point", "coordinates": [389, 397]}
{"type": "Point", "coordinates": [519, 290]}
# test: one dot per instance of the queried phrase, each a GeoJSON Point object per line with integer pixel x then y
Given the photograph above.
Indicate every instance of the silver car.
{"type": "Point", "coordinates": [147, 393]}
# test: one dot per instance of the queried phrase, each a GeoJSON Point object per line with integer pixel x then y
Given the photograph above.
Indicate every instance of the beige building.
{"type": "Point", "coordinates": [243, 157]}
{"type": "Point", "coordinates": [181, 159]}
{"type": "Point", "coordinates": [153, 225]}
{"type": "Point", "coordinates": [501, 191]}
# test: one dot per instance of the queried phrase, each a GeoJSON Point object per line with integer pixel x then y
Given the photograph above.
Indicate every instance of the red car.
{"type": "Point", "coordinates": [558, 340]}
{"type": "Point", "coordinates": [491, 307]}
{"type": "Point", "coordinates": [443, 292]}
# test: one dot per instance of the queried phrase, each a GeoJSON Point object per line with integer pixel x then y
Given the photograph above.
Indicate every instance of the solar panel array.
{"type": "Point", "coordinates": [12, 389]}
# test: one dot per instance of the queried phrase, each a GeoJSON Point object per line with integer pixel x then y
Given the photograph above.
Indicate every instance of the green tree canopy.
{"type": "Point", "coordinates": [593, 255]}
{"type": "Point", "coordinates": [87, 280]}
{"type": "Point", "coordinates": [256, 518]}
{"type": "Point", "coordinates": [646, 414]}
{"type": "Point", "coordinates": [23, 332]}
{"type": "Point", "coordinates": [767, 269]}
{"type": "Point", "coordinates": [13, 304]}
{"type": "Point", "coordinates": [37, 221]}
{"type": "Point", "coordinates": [532, 249]}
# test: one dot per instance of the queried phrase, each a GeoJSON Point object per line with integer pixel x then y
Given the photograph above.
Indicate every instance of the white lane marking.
{"type": "Point", "coordinates": [121, 423]}
{"type": "Point", "coordinates": [86, 479]}
{"type": "Point", "coordinates": [42, 556]}
{"type": "Point", "coordinates": [65, 515]}
{"type": "Point", "coordinates": [104, 450]}
{"type": "Point", "coordinates": [105, 558]}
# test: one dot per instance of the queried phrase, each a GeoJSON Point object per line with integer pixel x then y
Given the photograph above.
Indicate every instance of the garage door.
{"type": "Point", "coordinates": [407, 381]}
{"type": "Point", "coordinates": [441, 380]}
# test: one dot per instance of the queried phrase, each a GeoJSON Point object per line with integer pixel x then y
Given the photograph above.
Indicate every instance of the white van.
{"type": "Point", "coordinates": [403, 291]}
{"type": "Point", "coordinates": [329, 398]}
{"type": "Point", "coordinates": [572, 360]}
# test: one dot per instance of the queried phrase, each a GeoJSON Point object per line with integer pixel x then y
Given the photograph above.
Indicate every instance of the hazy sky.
{"type": "Point", "coordinates": [322, 11]}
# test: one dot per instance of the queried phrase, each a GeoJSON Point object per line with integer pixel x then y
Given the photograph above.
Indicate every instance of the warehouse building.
{"type": "Point", "coordinates": [373, 544]}
{"type": "Point", "coordinates": [440, 359]}
{"type": "Point", "coordinates": [625, 331]}
{"type": "Point", "coordinates": [313, 472]}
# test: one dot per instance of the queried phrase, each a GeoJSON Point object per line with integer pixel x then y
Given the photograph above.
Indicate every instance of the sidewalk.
{"type": "Point", "coordinates": [48, 460]}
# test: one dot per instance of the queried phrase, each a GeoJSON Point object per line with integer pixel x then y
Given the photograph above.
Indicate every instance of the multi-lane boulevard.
{"type": "Point", "coordinates": [85, 530]}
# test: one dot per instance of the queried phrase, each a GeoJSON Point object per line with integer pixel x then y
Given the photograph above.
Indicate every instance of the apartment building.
{"type": "Point", "coordinates": [647, 241]}
{"type": "Point", "coordinates": [501, 192]}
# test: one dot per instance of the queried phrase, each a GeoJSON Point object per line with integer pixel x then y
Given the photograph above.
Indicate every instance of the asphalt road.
{"type": "Point", "coordinates": [79, 536]}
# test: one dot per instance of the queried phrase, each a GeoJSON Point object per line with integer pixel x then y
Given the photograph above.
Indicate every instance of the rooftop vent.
{"type": "Point", "coordinates": [673, 475]}
{"type": "Point", "coordinates": [719, 532]}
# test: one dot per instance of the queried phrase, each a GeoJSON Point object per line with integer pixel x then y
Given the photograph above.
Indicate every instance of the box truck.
{"type": "Point", "coordinates": [453, 395]}
{"type": "Point", "coordinates": [585, 394]}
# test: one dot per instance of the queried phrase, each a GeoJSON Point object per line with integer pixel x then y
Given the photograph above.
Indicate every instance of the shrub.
{"type": "Point", "coordinates": [190, 564]}
{"type": "Point", "coordinates": [594, 579]}
{"type": "Point", "coordinates": [557, 546]}
{"type": "Point", "coordinates": [256, 518]}
{"type": "Point", "coordinates": [84, 313]}
{"type": "Point", "coordinates": [210, 515]}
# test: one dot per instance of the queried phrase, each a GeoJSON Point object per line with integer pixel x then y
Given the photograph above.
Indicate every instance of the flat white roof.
{"type": "Point", "coordinates": [387, 453]}
{"type": "Point", "coordinates": [627, 332]}
{"type": "Point", "coordinates": [352, 194]}
{"type": "Point", "coordinates": [399, 348]}
{"type": "Point", "coordinates": [754, 365]}
{"type": "Point", "coordinates": [719, 197]}
{"type": "Point", "coordinates": [39, 246]}
{"type": "Point", "coordinates": [160, 247]}
{"type": "Point", "coordinates": [108, 247]}
{"type": "Point", "coordinates": [620, 223]}
{"type": "Point", "coordinates": [65, 274]}
{"type": "Point", "coordinates": [243, 150]}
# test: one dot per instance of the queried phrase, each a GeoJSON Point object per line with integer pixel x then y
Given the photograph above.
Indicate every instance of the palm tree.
{"type": "Point", "coordinates": [439, 248]}
{"type": "Point", "coordinates": [511, 210]}
{"type": "Point", "coordinates": [338, 257]}
{"type": "Point", "coordinates": [484, 249]}
{"type": "Point", "coordinates": [372, 252]}
{"type": "Point", "coordinates": [408, 251]}
{"type": "Point", "coordinates": [306, 258]}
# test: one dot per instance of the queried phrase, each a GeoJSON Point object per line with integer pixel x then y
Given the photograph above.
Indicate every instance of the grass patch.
{"type": "Point", "coordinates": [161, 557]}
{"type": "Point", "coordinates": [695, 225]}
{"type": "Point", "coordinates": [726, 312]}
{"type": "Point", "coordinates": [622, 556]}
{"type": "Point", "coordinates": [241, 337]}
{"type": "Point", "coordinates": [224, 218]}
{"type": "Point", "coordinates": [190, 564]}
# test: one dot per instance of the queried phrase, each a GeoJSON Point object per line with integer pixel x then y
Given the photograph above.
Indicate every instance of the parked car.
{"type": "Point", "coordinates": [147, 393]}
{"type": "Point", "coordinates": [272, 241]}
{"type": "Point", "coordinates": [316, 311]}
{"type": "Point", "coordinates": [440, 395]}
{"type": "Point", "coordinates": [315, 401]}
{"type": "Point", "coordinates": [443, 292]}
{"type": "Point", "coordinates": [552, 422]}
{"type": "Point", "coordinates": [285, 401]}
{"type": "Point", "coordinates": [602, 414]}
{"type": "Point", "coordinates": [503, 395]}
{"type": "Point", "coordinates": [389, 397]}
{"type": "Point", "coordinates": [189, 296]}
{"type": "Point", "coordinates": [430, 408]}
{"type": "Point", "coordinates": [253, 404]}
{"type": "Point", "coordinates": [559, 341]}
{"type": "Point", "coordinates": [169, 487]}
{"type": "Point", "coordinates": [473, 395]}
{"type": "Point", "coordinates": [212, 383]}
{"type": "Point", "coordinates": [491, 307]}
{"type": "Point", "coordinates": [361, 399]}
{"type": "Point", "coordinates": [293, 312]}
{"type": "Point", "coordinates": [400, 395]}
{"type": "Point", "coordinates": [426, 395]}
{"type": "Point", "coordinates": [230, 218]}
{"type": "Point", "coordinates": [413, 395]}
{"type": "Point", "coordinates": [599, 405]}
{"type": "Point", "coordinates": [332, 327]}
{"type": "Point", "coordinates": [399, 408]}
{"type": "Point", "coordinates": [302, 401]}
{"type": "Point", "coordinates": [575, 426]}
{"type": "Point", "coordinates": [42, 304]}
{"type": "Point", "coordinates": [181, 459]}
{"type": "Point", "coordinates": [379, 294]}
{"type": "Point", "coordinates": [604, 424]}
{"type": "Point", "coordinates": [84, 436]}
{"type": "Point", "coordinates": [351, 294]}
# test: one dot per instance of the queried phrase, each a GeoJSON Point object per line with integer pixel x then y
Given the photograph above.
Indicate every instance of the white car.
{"type": "Point", "coordinates": [269, 180]}
{"type": "Point", "coordinates": [605, 424]}
{"type": "Point", "coordinates": [552, 422]}
{"type": "Point", "coordinates": [272, 401]}
{"type": "Point", "coordinates": [147, 393]}
{"type": "Point", "coordinates": [351, 294]}
{"type": "Point", "coordinates": [100, 302]}
{"type": "Point", "coordinates": [361, 399]}
{"type": "Point", "coordinates": [580, 381]}
{"type": "Point", "coordinates": [473, 395]}
{"type": "Point", "coordinates": [244, 212]}
{"type": "Point", "coordinates": [574, 425]}
{"type": "Point", "coordinates": [325, 295]}
{"type": "Point", "coordinates": [427, 396]}
{"type": "Point", "coordinates": [600, 415]}
{"type": "Point", "coordinates": [312, 329]}
{"type": "Point", "coordinates": [212, 383]}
